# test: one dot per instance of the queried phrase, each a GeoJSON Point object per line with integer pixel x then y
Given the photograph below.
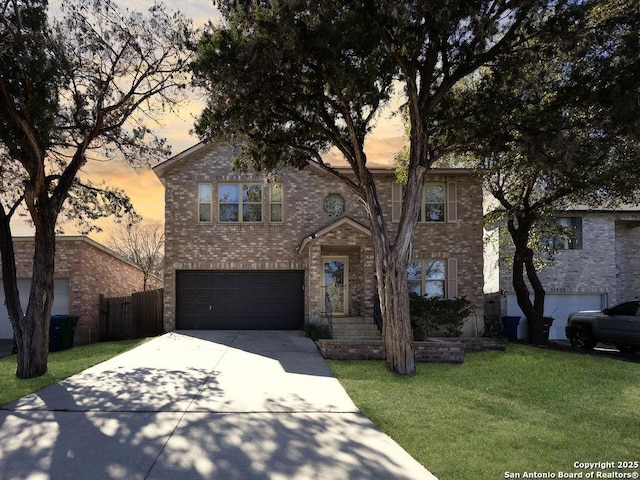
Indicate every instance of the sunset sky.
{"type": "Point", "coordinates": [143, 187]}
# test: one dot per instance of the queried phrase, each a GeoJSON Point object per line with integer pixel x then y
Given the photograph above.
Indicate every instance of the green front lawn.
{"type": "Point", "coordinates": [523, 410]}
{"type": "Point", "coordinates": [61, 365]}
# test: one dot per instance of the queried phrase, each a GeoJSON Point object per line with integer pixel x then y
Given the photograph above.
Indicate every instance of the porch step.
{"type": "Point", "coordinates": [355, 328]}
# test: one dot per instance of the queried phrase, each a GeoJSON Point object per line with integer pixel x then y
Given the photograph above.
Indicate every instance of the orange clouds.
{"type": "Point", "coordinates": [142, 186]}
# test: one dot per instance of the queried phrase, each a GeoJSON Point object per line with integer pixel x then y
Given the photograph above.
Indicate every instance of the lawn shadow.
{"type": "Point", "coordinates": [108, 426]}
{"type": "Point", "coordinates": [176, 414]}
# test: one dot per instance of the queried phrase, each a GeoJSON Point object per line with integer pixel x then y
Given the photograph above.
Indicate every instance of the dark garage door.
{"type": "Point", "coordinates": [239, 300]}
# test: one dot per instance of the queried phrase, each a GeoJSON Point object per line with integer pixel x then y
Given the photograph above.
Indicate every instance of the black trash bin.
{"type": "Point", "coordinates": [511, 327]}
{"type": "Point", "coordinates": [546, 326]}
{"type": "Point", "coordinates": [55, 332]}
{"type": "Point", "coordinates": [62, 329]}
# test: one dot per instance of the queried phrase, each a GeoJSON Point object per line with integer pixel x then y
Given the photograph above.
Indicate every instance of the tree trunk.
{"type": "Point", "coordinates": [391, 273]}
{"type": "Point", "coordinates": [536, 335]}
{"type": "Point", "coordinates": [9, 277]}
{"type": "Point", "coordinates": [397, 336]}
{"type": "Point", "coordinates": [523, 264]}
{"type": "Point", "coordinates": [32, 330]}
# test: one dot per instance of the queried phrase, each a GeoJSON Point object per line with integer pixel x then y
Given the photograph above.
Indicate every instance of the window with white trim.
{"type": "Point", "coordinates": [240, 202]}
{"type": "Point", "coordinates": [276, 212]}
{"type": "Point", "coordinates": [438, 203]}
{"type": "Point", "coordinates": [433, 204]}
{"type": "Point", "coordinates": [204, 202]}
{"type": "Point", "coordinates": [427, 278]}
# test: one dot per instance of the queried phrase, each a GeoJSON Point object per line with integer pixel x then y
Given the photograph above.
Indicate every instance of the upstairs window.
{"type": "Point", "coordinates": [569, 234]}
{"type": "Point", "coordinates": [276, 214]}
{"type": "Point", "coordinates": [204, 202]}
{"type": "Point", "coordinates": [433, 206]}
{"type": "Point", "coordinates": [240, 202]}
{"type": "Point", "coordinates": [439, 203]}
{"type": "Point", "coordinates": [571, 239]}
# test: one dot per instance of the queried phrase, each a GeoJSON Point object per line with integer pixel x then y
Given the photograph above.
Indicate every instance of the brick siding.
{"type": "Point", "coordinates": [191, 245]}
{"type": "Point", "coordinates": [434, 351]}
{"type": "Point", "coordinates": [91, 270]}
{"type": "Point", "coordinates": [608, 262]}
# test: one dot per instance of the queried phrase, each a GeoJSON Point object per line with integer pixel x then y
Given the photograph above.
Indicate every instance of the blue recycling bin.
{"type": "Point", "coordinates": [510, 325]}
{"type": "Point", "coordinates": [62, 329]}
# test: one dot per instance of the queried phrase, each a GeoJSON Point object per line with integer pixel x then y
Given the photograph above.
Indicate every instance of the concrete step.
{"type": "Point", "coordinates": [355, 331]}
{"type": "Point", "coordinates": [355, 328]}
{"type": "Point", "coordinates": [353, 321]}
{"type": "Point", "coordinates": [354, 325]}
{"type": "Point", "coordinates": [363, 336]}
{"type": "Point", "coordinates": [359, 328]}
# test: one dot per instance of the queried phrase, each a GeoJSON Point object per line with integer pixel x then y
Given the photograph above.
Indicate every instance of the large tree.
{"type": "Point", "coordinates": [291, 78]}
{"type": "Point", "coordinates": [557, 123]}
{"type": "Point", "coordinates": [84, 86]}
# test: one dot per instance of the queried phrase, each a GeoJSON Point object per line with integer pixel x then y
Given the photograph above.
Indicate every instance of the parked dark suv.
{"type": "Point", "coordinates": [619, 326]}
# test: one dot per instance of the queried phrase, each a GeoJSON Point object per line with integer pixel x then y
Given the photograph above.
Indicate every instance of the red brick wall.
{"type": "Point", "coordinates": [191, 245]}
{"type": "Point", "coordinates": [91, 270]}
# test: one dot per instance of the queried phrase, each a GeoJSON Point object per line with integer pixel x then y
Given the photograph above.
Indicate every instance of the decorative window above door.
{"type": "Point", "coordinates": [334, 205]}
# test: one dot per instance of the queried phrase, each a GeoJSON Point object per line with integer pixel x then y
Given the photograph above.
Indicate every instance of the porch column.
{"type": "Point", "coordinates": [315, 273]}
{"type": "Point", "coordinates": [369, 281]}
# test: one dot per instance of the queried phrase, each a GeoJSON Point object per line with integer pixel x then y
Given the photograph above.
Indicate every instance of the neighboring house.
{"type": "Point", "coordinates": [596, 268]}
{"type": "Point", "coordinates": [245, 251]}
{"type": "Point", "coordinates": [84, 269]}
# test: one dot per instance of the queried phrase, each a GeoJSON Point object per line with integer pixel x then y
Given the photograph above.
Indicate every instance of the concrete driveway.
{"type": "Point", "coordinates": [200, 405]}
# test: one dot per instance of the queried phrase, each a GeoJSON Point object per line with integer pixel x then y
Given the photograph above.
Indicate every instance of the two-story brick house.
{"type": "Point", "coordinates": [595, 268]}
{"type": "Point", "coordinates": [245, 251]}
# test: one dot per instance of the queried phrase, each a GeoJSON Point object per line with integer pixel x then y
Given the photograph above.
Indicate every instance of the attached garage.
{"type": "Point", "coordinates": [239, 300]}
{"type": "Point", "coordinates": [558, 306]}
{"type": "Point", "coordinates": [60, 303]}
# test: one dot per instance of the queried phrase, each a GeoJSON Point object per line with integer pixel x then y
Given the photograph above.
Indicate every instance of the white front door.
{"type": "Point", "coordinates": [336, 284]}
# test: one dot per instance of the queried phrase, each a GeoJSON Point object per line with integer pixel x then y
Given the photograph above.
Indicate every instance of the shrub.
{"type": "Point", "coordinates": [438, 316]}
{"type": "Point", "coordinates": [316, 329]}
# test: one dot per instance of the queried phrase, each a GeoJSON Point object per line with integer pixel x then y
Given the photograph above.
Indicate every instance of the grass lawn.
{"type": "Point", "coordinates": [61, 365]}
{"type": "Point", "coordinates": [523, 410]}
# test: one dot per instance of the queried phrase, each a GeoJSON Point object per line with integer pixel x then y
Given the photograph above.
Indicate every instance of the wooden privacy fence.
{"type": "Point", "coordinates": [135, 316]}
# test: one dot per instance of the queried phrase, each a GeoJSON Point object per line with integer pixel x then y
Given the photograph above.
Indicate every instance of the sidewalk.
{"type": "Point", "coordinates": [200, 405]}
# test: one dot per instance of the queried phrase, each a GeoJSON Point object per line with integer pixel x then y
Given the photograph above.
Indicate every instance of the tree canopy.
{"type": "Point", "coordinates": [84, 86]}
{"type": "Point", "coordinates": [288, 79]}
{"type": "Point", "coordinates": [556, 123]}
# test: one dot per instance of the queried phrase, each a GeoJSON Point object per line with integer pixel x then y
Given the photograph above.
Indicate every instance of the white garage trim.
{"type": "Point", "coordinates": [60, 302]}
{"type": "Point", "coordinates": [558, 306]}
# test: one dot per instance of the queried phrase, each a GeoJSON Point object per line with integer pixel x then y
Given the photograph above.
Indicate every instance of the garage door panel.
{"type": "Point", "coordinates": [239, 300]}
{"type": "Point", "coordinates": [60, 302]}
{"type": "Point", "coordinates": [558, 306]}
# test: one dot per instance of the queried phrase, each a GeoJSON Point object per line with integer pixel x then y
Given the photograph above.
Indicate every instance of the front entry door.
{"type": "Point", "coordinates": [336, 284]}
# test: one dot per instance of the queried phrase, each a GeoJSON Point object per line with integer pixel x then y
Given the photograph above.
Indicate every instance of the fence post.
{"type": "Point", "coordinates": [103, 319]}
{"type": "Point", "coordinates": [137, 316]}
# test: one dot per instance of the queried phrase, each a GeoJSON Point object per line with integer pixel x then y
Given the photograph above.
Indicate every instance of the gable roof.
{"type": "Point", "coordinates": [331, 227]}
{"type": "Point", "coordinates": [164, 167]}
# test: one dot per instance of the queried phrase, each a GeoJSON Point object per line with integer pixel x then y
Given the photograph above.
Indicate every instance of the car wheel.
{"type": "Point", "coordinates": [628, 349]}
{"type": "Point", "coordinates": [583, 339]}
